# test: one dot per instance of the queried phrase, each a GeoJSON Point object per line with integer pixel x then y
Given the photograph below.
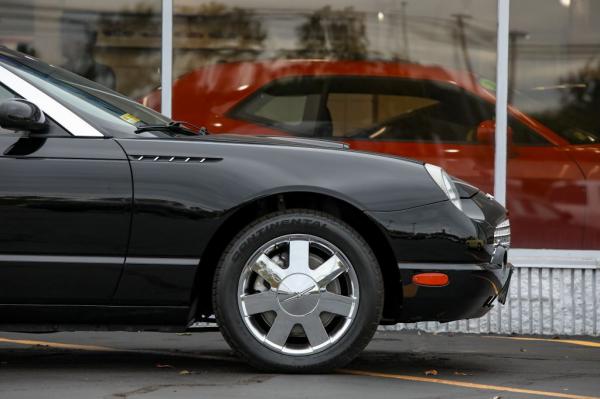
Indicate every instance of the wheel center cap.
{"type": "Point", "coordinates": [298, 294]}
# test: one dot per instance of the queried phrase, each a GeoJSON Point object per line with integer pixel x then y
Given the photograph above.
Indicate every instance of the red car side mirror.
{"type": "Point", "coordinates": [486, 131]}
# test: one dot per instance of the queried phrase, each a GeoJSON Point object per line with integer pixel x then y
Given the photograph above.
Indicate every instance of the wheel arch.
{"type": "Point", "coordinates": [343, 210]}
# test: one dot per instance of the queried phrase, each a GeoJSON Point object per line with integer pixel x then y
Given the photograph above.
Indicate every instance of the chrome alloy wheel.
{"type": "Point", "coordinates": [298, 294]}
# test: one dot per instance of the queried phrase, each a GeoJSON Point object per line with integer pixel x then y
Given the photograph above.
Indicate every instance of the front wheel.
{"type": "Point", "coordinates": [298, 291]}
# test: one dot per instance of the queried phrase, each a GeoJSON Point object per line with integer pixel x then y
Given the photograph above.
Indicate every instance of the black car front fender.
{"type": "Point", "coordinates": [185, 188]}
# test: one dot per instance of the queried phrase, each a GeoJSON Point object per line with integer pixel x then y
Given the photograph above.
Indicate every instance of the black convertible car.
{"type": "Point", "coordinates": [114, 217]}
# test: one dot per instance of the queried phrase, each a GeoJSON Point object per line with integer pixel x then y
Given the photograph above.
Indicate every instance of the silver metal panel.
{"type": "Point", "coordinates": [18, 258]}
{"type": "Point", "coordinates": [500, 154]}
{"type": "Point", "coordinates": [166, 70]}
{"type": "Point", "coordinates": [163, 261]}
{"type": "Point", "coordinates": [557, 258]}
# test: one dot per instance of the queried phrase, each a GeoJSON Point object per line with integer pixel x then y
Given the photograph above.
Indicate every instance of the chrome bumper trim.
{"type": "Point", "coordinates": [441, 266]}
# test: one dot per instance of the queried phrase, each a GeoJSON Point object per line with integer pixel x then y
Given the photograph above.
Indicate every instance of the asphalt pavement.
{"type": "Point", "coordinates": [200, 365]}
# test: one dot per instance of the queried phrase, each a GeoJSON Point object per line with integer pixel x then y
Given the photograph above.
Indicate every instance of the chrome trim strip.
{"type": "Point", "coordinates": [440, 266]}
{"type": "Point", "coordinates": [163, 261]}
{"type": "Point", "coordinates": [61, 259]}
{"type": "Point", "coordinates": [61, 114]}
{"type": "Point", "coordinates": [527, 258]}
{"type": "Point", "coordinates": [17, 258]}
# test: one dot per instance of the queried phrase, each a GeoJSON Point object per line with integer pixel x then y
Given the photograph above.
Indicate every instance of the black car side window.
{"type": "Point", "coordinates": [6, 94]}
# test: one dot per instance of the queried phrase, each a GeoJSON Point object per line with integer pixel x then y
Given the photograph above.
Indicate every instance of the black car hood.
{"type": "Point", "coordinates": [237, 169]}
{"type": "Point", "coordinates": [465, 189]}
{"type": "Point", "coordinates": [273, 140]}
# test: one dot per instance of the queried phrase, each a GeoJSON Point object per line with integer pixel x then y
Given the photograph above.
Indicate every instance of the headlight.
{"type": "Point", "coordinates": [441, 178]}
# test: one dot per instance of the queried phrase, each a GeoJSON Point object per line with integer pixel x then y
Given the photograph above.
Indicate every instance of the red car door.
{"type": "Point", "coordinates": [587, 158]}
{"type": "Point", "coordinates": [546, 198]}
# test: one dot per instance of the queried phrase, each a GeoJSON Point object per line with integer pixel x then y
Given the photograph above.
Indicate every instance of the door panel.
{"type": "Point", "coordinates": [65, 206]}
{"type": "Point", "coordinates": [546, 198]}
{"type": "Point", "coordinates": [588, 159]}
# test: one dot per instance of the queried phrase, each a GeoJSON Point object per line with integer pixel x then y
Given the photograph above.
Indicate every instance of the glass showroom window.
{"type": "Point", "coordinates": [553, 184]}
{"type": "Point", "coordinates": [115, 43]}
{"type": "Point", "coordinates": [413, 78]}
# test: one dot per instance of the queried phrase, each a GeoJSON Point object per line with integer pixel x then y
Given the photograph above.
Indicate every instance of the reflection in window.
{"type": "Point", "coordinates": [372, 108]}
{"type": "Point", "coordinates": [555, 66]}
{"type": "Point", "coordinates": [116, 44]}
{"type": "Point", "coordinates": [288, 110]}
{"type": "Point", "coordinates": [409, 110]}
{"type": "Point", "coordinates": [5, 93]}
{"type": "Point", "coordinates": [554, 81]}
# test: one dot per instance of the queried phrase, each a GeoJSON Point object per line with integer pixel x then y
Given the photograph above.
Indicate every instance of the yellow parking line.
{"type": "Point", "coordinates": [467, 384]}
{"type": "Point", "coordinates": [56, 345]}
{"type": "Point", "coordinates": [345, 371]}
{"type": "Point", "coordinates": [95, 348]}
{"type": "Point", "coordinates": [591, 344]}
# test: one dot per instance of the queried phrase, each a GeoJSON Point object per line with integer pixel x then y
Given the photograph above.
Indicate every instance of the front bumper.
{"type": "Point", "coordinates": [470, 293]}
{"type": "Point", "coordinates": [469, 246]}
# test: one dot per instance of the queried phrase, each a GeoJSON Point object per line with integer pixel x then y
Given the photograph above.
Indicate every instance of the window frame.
{"type": "Point", "coordinates": [63, 116]}
{"type": "Point", "coordinates": [54, 129]}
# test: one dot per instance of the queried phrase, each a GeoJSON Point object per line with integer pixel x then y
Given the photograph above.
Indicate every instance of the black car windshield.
{"type": "Point", "coordinates": [110, 112]}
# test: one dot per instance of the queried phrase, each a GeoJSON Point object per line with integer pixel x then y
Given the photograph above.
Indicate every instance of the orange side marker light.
{"type": "Point", "coordinates": [431, 279]}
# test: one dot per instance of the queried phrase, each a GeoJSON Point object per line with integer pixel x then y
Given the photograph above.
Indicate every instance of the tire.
{"type": "Point", "coordinates": [310, 312]}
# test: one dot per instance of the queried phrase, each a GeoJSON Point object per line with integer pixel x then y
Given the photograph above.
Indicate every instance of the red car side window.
{"type": "Point", "coordinates": [403, 109]}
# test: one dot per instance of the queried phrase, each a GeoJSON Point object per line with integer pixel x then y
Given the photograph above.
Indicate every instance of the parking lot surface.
{"type": "Point", "coordinates": [200, 365]}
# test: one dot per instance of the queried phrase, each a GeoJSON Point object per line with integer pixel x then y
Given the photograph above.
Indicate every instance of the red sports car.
{"type": "Point", "coordinates": [424, 112]}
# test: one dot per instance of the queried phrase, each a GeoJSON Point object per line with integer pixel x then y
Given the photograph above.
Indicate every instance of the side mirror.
{"type": "Point", "coordinates": [21, 115]}
{"type": "Point", "coordinates": [487, 130]}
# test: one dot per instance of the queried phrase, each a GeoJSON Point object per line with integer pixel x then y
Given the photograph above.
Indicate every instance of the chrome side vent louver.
{"type": "Point", "coordinates": [168, 158]}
